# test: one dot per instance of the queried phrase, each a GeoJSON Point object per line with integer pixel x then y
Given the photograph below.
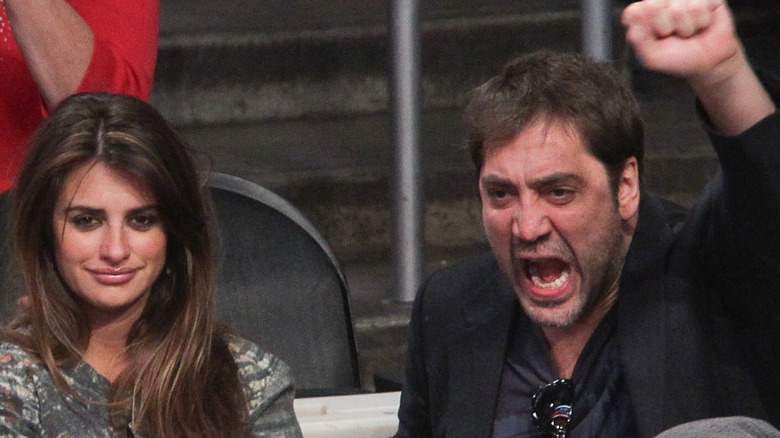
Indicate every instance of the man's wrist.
{"type": "Point", "coordinates": [732, 96]}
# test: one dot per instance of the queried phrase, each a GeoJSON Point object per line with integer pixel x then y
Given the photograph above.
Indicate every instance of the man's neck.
{"type": "Point", "coordinates": [566, 343]}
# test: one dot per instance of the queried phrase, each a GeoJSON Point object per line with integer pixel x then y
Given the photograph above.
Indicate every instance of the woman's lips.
{"type": "Point", "coordinates": [112, 277]}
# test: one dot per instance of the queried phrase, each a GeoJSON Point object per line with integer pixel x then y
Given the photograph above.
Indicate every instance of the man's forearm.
{"type": "Point", "coordinates": [697, 41]}
{"type": "Point", "coordinates": [733, 101]}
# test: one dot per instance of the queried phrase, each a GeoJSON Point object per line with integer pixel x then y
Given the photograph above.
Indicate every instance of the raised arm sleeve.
{"type": "Point", "coordinates": [125, 53]}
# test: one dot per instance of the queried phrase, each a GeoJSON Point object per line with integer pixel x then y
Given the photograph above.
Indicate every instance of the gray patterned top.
{"type": "Point", "coordinates": [32, 406]}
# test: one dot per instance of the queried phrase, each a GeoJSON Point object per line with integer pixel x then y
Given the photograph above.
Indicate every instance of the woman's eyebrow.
{"type": "Point", "coordinates": [84, 209]}
{"type": "Point", "coordinates": [143, 209]}
{"type": "Point", "coordinates": [93, 210]}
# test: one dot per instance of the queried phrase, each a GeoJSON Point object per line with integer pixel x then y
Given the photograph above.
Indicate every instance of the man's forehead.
{"type": "Point", "coordinates": [538, 139]}
{"type": "Point", "coordinates": [543, 152]}
{"type": "Point", "coordinates": [541, 130]}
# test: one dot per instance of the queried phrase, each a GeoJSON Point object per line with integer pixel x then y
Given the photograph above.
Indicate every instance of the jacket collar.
{"type": "Point", "coordinates": [641, 329]}
{"type": "Point", "coordinates": [474, 383]}
{"type": "Point", "coordinates": [488, 318]}
{"type": "Point", "coordinates": [654, 318]}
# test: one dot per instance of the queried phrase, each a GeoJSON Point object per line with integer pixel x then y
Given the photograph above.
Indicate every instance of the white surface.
{"type": "Point", "coordinates": [355, 416]}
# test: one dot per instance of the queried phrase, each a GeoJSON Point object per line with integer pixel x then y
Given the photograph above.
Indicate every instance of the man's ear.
{"type": "Point", "coordinates": [628, 189]}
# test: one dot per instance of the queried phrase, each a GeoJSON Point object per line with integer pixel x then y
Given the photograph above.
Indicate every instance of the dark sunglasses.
{"type": "Point", "coordinates": [551, 408]}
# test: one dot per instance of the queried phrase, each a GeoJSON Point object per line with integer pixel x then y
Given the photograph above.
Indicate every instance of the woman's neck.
{"type": "Point", "coordinates": [108, 345]}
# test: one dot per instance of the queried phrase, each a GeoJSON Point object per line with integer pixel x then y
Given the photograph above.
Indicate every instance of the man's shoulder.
{"type": "Point", "coordinates": [468, 273]}
{"type": "Point", "coordinates": [663, 212]}
{"type": "Point", "coordinates": [473, 280]}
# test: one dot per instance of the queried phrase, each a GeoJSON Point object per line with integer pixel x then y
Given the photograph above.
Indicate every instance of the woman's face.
{"type": "Point", "coordinates": [109, 241]}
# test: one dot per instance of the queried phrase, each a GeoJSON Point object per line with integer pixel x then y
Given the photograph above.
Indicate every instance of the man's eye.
{"type": "Point", "coordinates": [498, 197]}
{"type": "Point", "coordinates": [561, 195]}
{"type": "Point", "coordinates": [85, 222]}
{"type": "Point", "coordinates": [143, 221]}
{"type": "Point", "coordinates": [498, 194]}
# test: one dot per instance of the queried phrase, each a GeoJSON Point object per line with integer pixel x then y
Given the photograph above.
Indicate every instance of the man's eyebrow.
{"type": "Point", "coordinates": [552, 179]}
{"type": "Point", "coordinates": [494, 180]}
{"type": "Point", "coordinates": [556, 179]}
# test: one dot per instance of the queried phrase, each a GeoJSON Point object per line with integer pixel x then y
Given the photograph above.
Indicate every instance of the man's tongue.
{"type": "Point", "coordinates": [548, 272]}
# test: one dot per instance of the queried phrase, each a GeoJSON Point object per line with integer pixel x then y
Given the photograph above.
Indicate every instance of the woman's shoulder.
{"type": "Point", "coordinates": [268, 385]}
{"type": "Point", "coordinates": [20, 379]}
{"type": "Point", "coordinates": [257, 366]}
{"type": "Point", "coordinates": [15, 360]}
{"type": "Point", "coordinates": [19, 370]}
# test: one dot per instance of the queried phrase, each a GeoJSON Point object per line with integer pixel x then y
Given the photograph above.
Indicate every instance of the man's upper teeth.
{"type": "Point", "coordinates": [537, 280]}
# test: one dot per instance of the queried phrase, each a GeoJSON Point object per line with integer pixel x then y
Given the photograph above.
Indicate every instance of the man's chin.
{"type": "Point", "coordinates": [553, 315]}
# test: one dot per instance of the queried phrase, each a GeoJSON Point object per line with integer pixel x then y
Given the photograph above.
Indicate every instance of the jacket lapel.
{"type": "Point", "coordinates": [641, 315]}
{"type": "Point", "coordinates": [477, 354]}
{"type": "Point", "coordinates": [660, 343]}
{"type": "Point", "coordinates": [641, 335]}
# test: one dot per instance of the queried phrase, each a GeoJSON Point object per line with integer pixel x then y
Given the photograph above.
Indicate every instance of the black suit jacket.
{"type": "Point", "coordinates": [697, 311]}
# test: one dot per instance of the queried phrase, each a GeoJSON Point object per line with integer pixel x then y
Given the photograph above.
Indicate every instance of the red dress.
{"type": "Point", "coordinates": [123, 61]}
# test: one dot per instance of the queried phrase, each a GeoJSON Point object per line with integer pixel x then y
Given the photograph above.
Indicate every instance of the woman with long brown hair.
{"type": "Point", "coordinates": [118, 335]}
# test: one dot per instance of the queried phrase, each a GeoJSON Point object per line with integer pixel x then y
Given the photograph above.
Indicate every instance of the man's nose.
{"type": "Point", "coordinates": [530, 223]}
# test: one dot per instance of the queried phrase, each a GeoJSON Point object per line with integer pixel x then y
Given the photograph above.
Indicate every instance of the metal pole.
{"type": "Point", "coordinates": [597, 29]}
{"type": "Point", "coordinates": [405, 90]}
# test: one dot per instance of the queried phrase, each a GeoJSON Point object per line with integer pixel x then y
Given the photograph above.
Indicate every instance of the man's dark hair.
{"type": "Point", "coordinates": [561, 87]}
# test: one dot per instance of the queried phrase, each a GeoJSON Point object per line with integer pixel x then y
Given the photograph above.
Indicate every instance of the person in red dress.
{"type": "Point", "coordinates": [50, 49]}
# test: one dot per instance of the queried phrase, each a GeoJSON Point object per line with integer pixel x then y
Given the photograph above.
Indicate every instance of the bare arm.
{"type": "Point", "coordinates": [696, 40]}
{"type": "Point", "coordinates": [56, 42]}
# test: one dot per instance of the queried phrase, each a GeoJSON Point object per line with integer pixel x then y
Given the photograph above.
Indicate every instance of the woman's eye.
{"type": "Point", "coordinates": [143, 221]}
{"type": "Point", "coordinates": [85, 222]}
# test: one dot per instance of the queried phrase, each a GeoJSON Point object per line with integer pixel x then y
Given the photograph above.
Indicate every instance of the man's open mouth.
{"type": "Point", "coordinates": [548, 273]}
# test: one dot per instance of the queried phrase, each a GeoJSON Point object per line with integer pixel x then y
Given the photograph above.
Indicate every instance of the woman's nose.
{"type": "Point", "coordinates": [114, 247]}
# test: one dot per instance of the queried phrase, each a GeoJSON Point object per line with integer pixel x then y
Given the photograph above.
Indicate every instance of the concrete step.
{"type": "Point", "coordinates": [227, 78]}
{"type": "Point", "coordinates": [338, 170]}
{"type": "Point", "coordinates": [294, 16]}
{"type": "Point", "coordinates": [304, 108]}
